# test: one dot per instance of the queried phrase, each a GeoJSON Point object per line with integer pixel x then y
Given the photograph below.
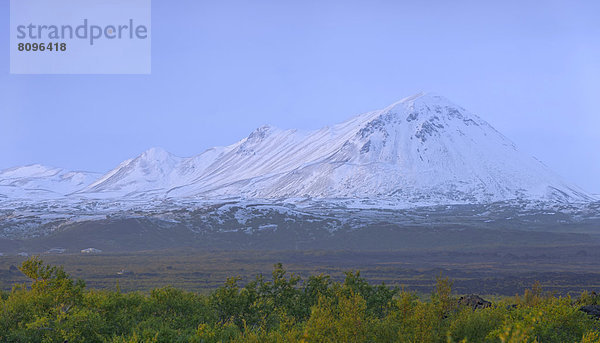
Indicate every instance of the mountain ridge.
{"type": "Point", "coordinates": [36, 180]}
{"type": "Point", "coordinates": [421, 148]}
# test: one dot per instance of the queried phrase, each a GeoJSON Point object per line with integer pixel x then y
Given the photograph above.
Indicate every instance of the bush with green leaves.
{"type": "Point", "coordinates": [285, 308]}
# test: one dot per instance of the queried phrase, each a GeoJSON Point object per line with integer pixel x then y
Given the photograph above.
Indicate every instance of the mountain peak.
{"type": "Point", "coordinates": [428, 111]}
{"type": "Point", "coordinates": [422, 99]}
{"type": "Point", "coordinates": [156, 154]}
{"type": "Point", "coordinates": [413, 97]}
{"type": "Point", "coordinates": [261, 132]}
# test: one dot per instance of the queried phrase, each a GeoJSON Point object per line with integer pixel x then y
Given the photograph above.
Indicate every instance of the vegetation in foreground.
{"type": "Point", "coordinates": [55, 308]}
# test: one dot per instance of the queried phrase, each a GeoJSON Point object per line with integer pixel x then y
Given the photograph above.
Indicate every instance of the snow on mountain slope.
{"type": "Point", "coordinates": [266, 153]}
{"type": "Point", "coordinates": [422, 149]}
{"type": "Point", "coordinates": [41, 181]}
{"type": "Point", "coordinates": [151, 174]}
{"type": "Point", "coordinates": [157, 172]}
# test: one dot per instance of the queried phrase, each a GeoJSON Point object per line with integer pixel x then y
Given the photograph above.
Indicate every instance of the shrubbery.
{"type": "Point", "coordinates": [55, 308]}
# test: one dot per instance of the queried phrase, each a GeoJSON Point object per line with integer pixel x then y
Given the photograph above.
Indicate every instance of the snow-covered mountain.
{"type": "Point", "coordinates": [153, 173]}
{"type": "Point", "coordinates": [421, 149]}
{"type": "Point", "coordinates": [38, 181]}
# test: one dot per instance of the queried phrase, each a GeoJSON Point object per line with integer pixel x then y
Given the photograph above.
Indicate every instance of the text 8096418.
{"type": "Point", "coordinates": [42, 46]}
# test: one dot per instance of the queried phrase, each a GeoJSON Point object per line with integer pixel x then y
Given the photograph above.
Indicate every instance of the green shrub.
{"type": "Point", "coordinates": [476, 325]}
{"type": "Point", "coordinates": [55, 308]}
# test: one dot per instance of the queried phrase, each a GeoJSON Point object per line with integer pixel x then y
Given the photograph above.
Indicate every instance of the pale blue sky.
{"type": "Point", "coordinates": [222, 68]}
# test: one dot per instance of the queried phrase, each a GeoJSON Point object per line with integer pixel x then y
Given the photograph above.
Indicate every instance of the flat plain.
{"type": "Point", "coordinates": [563, 269]}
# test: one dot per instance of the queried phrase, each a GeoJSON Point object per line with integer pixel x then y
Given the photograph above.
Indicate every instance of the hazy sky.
{"type": "Point", "coordinates": [222, 68]}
